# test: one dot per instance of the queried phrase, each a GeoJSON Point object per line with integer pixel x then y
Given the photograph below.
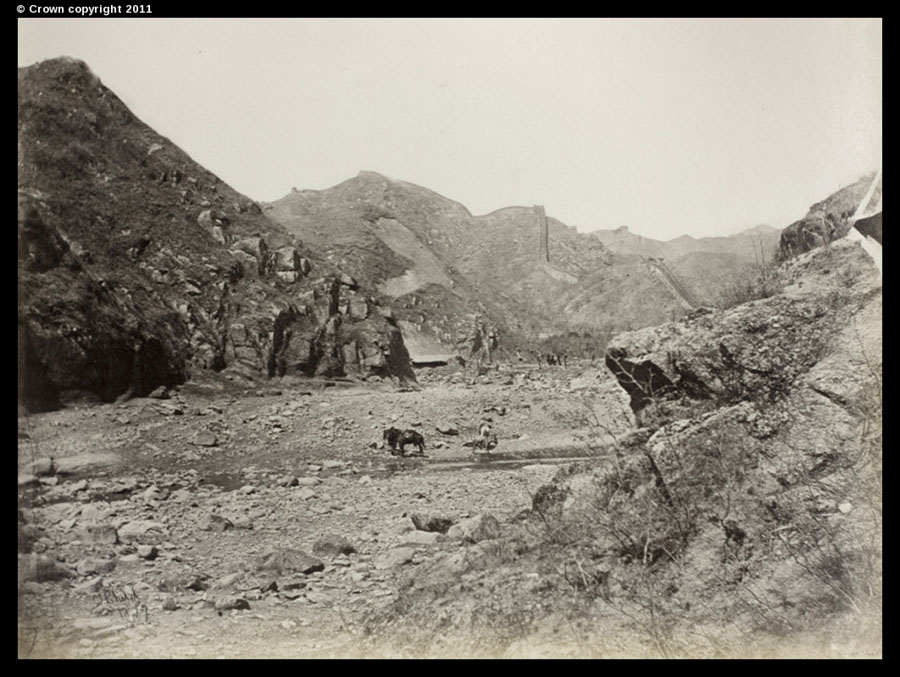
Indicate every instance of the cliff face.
{"type": "Point", "coordinates": [136, 265]}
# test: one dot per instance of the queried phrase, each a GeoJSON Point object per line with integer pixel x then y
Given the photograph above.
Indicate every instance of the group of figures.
{"type": "Point", "coordinates": [552, 359]}
{"type": "Point", "coordinates": [397, 440]}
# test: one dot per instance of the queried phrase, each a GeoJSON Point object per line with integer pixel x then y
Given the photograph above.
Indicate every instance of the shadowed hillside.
{"type": "Point", "coordinates": [136, 265]}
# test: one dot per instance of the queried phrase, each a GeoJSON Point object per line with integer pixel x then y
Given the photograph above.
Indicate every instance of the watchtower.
{"type": "Point", "coordinates": [544, 253]}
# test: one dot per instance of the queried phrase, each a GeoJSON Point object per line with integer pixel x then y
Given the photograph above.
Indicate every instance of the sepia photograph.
{"type": "Point", "coordinates": [448, 338]}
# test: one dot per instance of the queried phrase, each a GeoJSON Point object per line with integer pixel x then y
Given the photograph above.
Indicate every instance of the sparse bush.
{"type": "Point", "coordinates": [760, 282]}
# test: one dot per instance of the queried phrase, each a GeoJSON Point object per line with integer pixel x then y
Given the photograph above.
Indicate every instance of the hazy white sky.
{"type": "Point", "coordinates": [671, 127]}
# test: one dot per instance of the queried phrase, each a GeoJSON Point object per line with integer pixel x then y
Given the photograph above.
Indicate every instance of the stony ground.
{"type": "Point", "coordinates": [239, 519]}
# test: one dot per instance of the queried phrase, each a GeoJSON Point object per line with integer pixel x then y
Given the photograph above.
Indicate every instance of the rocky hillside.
{"type": "Point", "coordinates": [827, 220]}
{"type": "Point", "coordinates": [136, 265]}
{"type": "Point", "coordinates": [441, 264]}
{"type": "Point", "coordinates": [398, 239]}
{"type": "Point", "coordinates": [741, 518]}
{"type": "Point", "coordinates": [704, 266]}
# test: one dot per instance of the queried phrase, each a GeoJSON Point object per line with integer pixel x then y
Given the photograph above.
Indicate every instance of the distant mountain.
{"type": "Point", "coordinates": [441, 265]}
{"type": "Point", "coordinates": [137, 266]}
{"type": "Point", "coordinates": [757, 241]}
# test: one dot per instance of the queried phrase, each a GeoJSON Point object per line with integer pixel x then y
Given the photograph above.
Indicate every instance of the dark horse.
{"type": "Point", "coordinates": [394, 438]}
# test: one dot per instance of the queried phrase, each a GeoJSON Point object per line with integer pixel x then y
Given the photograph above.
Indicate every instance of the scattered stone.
{"type": "Point", "coordinates": [394, 557]}
{"type": "Point", "coordinates": [138, 530]}
{"type": "Point", "coordinates": [33, 588]}
{"type": "Point", "coordinates": [91, 567]}
{"type": "Point", "coordinates": [475, 529]}
{"type": "Point", "coordinates": [85, 463]}
{"type": "Point", "coordinates": [148, 552]}
{"type": "Point", "coordinates": [289, 560]}
{"type": "Point", "coordinates": [436, 523]}
{"type": "Point", "coordinates": [319, 597]}
{"type": "Point", "coordinates": [288, 481]}
{"type": "Point", "coordinates": [161, 393]}
{"type": "Point", "coordinates": [151, 494]}
{"type": "Point", "coordinates": [194, 583]}
{"type": "Point", "coordinates": [80, 485]}
{"type": "Point", "coordinates": [90, 586]}
{"type": "Point", "coordinates": [170, 604]}
{"type": "Point", "coordinates": [247, 489]}
{"type": "Point", "coordinates": [42, 467]}
{"type": "Point", "coordinates": [92, 513]}
{"type": "Point", "coordinates": [67, 524]}
{"type": "Point", "coordinates": [41, 569]}
{"type": "Point", "coordinates": [308, 481]}
{"type": "Point", "coordinates": [845, 507]}
{"type": "Point", "coordinates": [288, 624]}
{"type": "Point", "coordinates": [269, 585]}
{"type": "Point", "coordinates": [204, 438]}
{"type": "Point", "coordinates": [228, 580]}
{"type": "Point", "coordinates": [124, 485]}
{"type": "Point", "coordinates": [306, 493]}
{"type": "Point", "coordinates": [181, 495]}
{"type": "Point", "coordinates": [27, 479]}
{"type": "Point", "coordinates": [105, 534]}
{"type": "Point", "coordinates": [242, 522]}
{"type": "Point", "coordinates": [332, 545]}
{"type": "Point", "coordinates": [447, 429]}
{"type": "Point", "coordinates": [213, 522]}
{"type": "Point", "coordinates": [49, 481]}
{"type": "Point", "coordinates": [292, 584]}
{"type": "Point", "coordinates": [423, 537]}
{"type": "Point", "coordinates": [232, 602]}
{"type": "Point", "coordinates": [330, 464]}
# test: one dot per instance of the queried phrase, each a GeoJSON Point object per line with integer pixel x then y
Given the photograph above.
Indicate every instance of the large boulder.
{"type": "Point", "coordinates": [289, 560]}
{"type": "Point", "coordinates": [753, 351]}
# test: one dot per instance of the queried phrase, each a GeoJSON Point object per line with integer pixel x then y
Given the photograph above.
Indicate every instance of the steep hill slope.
{"type": "Point", "coordinates": [137, 265]}
{"type": "Point", "coordinates": [441, 264]}
{"type": "Point", "coordinates": [399, 239]}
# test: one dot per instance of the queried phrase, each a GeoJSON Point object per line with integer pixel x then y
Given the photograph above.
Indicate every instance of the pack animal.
{"type": "Point", "coordinates": [395, 438]}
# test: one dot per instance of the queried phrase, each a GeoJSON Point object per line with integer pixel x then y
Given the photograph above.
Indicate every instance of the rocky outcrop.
{"type": "Point", "coordinates": [756, 351]}
{"type": "Point", "coordinates": [137, 265]}
{"type": "Point", "coordinates": [827, 220]}
{"type": "Point", "coordinates": [75, 332]}
{"type": "Point", "coordinates": [757, 466]}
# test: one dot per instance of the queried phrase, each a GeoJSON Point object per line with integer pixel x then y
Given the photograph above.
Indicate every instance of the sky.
{"type": "Point", "coordinates": [672, 127]}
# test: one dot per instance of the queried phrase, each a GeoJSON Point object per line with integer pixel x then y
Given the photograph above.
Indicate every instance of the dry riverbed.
{"type": "Point", "coordinates": [235, 519]}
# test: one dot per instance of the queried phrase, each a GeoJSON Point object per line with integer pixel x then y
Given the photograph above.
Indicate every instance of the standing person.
{"type": "Point", "coordinates": [484, 435]}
